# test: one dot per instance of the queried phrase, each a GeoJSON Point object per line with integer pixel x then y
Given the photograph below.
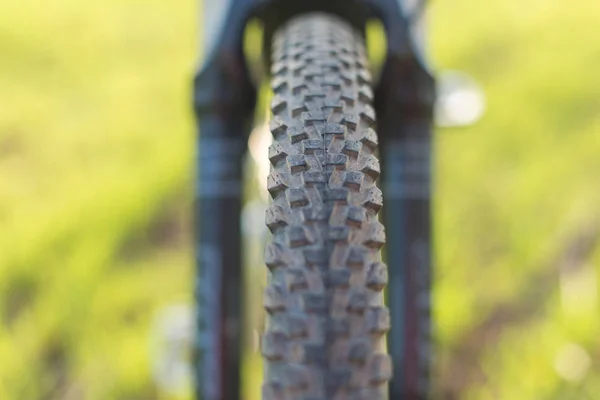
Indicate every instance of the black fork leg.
{"type": "Point", "coordinates": [224, 102]}
{"type": "Point", "coordinates": [405, 177]}
{"type": "Point", "coordinates": [404, 103]}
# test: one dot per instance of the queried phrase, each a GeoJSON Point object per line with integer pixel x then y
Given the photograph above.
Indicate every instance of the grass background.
{"type": "Point", "coordinates": [96, 144]}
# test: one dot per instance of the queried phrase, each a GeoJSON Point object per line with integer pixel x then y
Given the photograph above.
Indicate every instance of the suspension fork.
{"type": "Point", "coordinates": [404, 102]}
{"type": "Point", "coordinates": [224, 102]}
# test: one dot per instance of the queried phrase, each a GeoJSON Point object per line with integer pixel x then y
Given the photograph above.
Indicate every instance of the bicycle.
{"type": "Point", "coordinates": [327, 320]}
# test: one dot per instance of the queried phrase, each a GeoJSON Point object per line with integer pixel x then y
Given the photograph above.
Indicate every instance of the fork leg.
{"type": "Point", "coordinates": [224, 103]}
{"type": "Point", "coordinates": [404, 103]}
{"type": "Point", "coordinates": [219, 277]}
{"type": "Point", "coordinates": [405, 176]}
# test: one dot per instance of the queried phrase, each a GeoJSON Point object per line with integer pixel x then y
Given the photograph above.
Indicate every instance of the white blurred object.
{"type": "Point", "coordinates": [172, 344]}
{"type": "Point", "coordinates": [572, 362]}
{"type": "Point", "coordinates": [259, 142]}
{"type": "Point", "coordinates": [253, 219]}
{"type": "Point", "coordinates": [460, 100]}
{"type": "Point", "coordinates": [253, 213]}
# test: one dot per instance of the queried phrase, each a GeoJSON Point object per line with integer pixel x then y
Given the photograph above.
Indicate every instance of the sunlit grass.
{"type": "Point", "coordinates": [96, 142]}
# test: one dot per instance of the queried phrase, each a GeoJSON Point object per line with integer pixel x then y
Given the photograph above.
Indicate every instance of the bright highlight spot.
{"type": "Point", "coordinates": [572, 362]}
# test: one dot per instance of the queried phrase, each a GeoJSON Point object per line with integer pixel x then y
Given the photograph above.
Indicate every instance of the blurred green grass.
{"type": "Point", "coordinates": [516, 206]}
{"type": "Point", "coordinates": [96, 144]}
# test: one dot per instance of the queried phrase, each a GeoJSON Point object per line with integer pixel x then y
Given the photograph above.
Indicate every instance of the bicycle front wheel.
{"type": "Point", "coordinates": [325, 335]}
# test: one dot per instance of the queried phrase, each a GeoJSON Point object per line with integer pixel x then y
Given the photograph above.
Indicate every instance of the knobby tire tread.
{"type": "Point", "coordinates": [325, 334]}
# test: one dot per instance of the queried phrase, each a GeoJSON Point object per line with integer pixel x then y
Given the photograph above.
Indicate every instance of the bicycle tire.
{"type": "Point", "coordinates": [326, 325]}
